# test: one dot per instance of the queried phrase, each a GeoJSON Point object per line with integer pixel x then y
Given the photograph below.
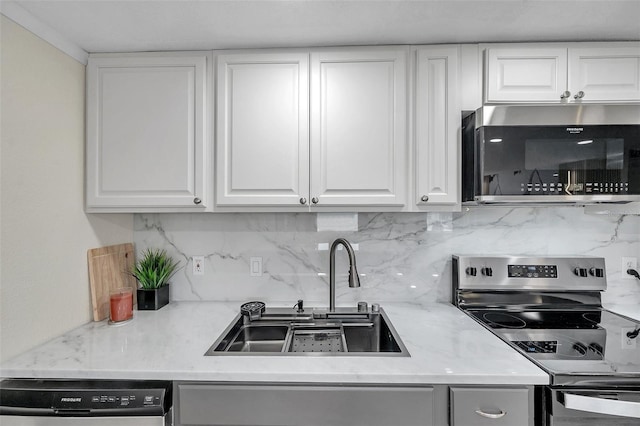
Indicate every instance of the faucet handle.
{"type": "Point", "coordinates": [375, 307]}
{"type": "Point", "coordinates": [363, 307]}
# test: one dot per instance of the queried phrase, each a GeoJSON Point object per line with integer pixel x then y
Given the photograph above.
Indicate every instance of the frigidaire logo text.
{"type": "Point", "coordinates": [70, 399]}
{"type": "Point", "coordinates": [575, 129]}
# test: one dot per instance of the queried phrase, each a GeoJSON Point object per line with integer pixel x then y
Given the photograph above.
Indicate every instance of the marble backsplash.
{"type": "Point", "coordinates": [402, 257]}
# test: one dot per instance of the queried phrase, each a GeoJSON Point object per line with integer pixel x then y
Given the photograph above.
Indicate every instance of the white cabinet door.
{"type": "Point", "coordinates": [525, 74]}
{"type": "Point", "coordinates": [147, 133]}
{"type": "Point", "coordinates": [605, 74]}
{"type": "Point", "coordinates": [358, 127]}
{"type": "Point", "coordinates": [575, 73]}
{"type": "Point", "coordinates": [437, 126]}
{"type": "Point", "coordinates": [262, 129]}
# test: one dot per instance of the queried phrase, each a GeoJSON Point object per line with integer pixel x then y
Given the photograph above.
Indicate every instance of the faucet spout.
{"type": "Point", "coordinates": [354, 278]}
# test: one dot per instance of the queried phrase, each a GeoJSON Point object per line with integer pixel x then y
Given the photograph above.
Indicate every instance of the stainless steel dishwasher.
{"type": "Point", "coordinates": [27, 402]}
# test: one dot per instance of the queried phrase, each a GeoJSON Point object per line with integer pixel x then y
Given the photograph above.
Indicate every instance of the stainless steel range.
{"type": "Point", "coordinates": [549, 309]}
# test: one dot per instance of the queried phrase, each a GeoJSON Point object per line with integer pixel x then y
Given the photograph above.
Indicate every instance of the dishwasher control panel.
{"type": "Point", "coordinates": [108, 399]}
{"type": "Point", "coordinates": [84, 398]}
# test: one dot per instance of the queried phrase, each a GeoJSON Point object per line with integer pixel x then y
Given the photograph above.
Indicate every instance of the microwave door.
{"type": "Point", "coordinates": [524, 164]}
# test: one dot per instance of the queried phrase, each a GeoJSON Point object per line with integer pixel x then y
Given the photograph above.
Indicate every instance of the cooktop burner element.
{"type": "Point", "coordinates": [503, 320]}
{"type": "Point", "coordinates": [549, 309]}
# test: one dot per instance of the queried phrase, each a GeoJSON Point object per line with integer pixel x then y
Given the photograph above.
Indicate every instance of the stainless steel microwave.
{"type": "Point", "coordinates": [571, 154]}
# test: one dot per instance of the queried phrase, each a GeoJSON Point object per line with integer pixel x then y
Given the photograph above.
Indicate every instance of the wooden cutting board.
{"type": "Point", "coordinates": [108, 269]}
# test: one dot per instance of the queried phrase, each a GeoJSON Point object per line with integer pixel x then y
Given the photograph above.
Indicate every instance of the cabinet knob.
{"type": "Point", "coordinates": [314, 200]}
{"type": "Point", "coordinates": [565, 95]}
{"type": "Point", "coordinates": [197, 200]}
{"type": "Point", "coordinates": [424, 198]}
{"type": "Point", "coordinates": [303, 200]}
{"type": "Point", "coordinates": [579, 95]}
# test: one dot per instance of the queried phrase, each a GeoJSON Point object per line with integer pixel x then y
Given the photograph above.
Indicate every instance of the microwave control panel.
{"type": "Point", "coordinates": [557, 188]}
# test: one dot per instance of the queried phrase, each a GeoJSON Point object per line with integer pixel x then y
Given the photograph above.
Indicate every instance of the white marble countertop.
{"type": "Point", "coordinates": [631, 311]}
{"type": "Point", "coordinates": [446, 346]}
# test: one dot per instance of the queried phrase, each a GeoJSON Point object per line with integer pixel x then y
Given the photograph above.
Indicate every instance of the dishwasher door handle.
{"type": "Point", "coordinates": [594, 404]}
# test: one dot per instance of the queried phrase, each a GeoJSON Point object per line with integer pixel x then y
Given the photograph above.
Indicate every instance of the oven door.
{"type": "Point", "coordinates": [593, 407]}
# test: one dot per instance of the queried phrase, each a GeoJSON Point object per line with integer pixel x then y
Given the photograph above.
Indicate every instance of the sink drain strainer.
{"type": "Point", "coordinates": [317, 341]}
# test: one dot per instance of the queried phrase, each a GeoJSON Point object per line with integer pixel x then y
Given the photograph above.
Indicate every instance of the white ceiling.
{"type": "Point", "coordinates": [133, 25]}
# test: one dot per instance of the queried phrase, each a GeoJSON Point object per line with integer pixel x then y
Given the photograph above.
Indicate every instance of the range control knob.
{"type": "Point", "coordinates": [596, 348]}
{"type": "Point", "coordinates": [580, 348]}
{"type": "Point", "coordinates": [597, 272]}
{"type": "Point", "coordinates": [487, 271]}
{"type": "Point", "coordinates": [471, 271]}
{"type": "Point", "coordinates": [581, 272]}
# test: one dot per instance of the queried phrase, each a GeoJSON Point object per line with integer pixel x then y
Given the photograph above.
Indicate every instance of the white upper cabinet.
{"type": "Point", "coordinates": [437, 124]}
{"type": "Point", "coordinates": [147, 143]}
{"type": "Point", "coordinates": [351, 153]}
{"type": "Point", "coordinates": [358, 127]}
{"type": "Point", "coordinates": [605, 74]}
{"type": "Point", "coordinates": [525, 74]}
{"type": "Point", "coordinates": [557, 74]}
{"type": "Point", "coordinates": [262, 130]}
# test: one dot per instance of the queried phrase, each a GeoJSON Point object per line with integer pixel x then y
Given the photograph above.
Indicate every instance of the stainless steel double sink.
{"type": "Point", "coordinates": [285, 332]}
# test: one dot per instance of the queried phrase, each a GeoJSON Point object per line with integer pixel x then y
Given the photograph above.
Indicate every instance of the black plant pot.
{"type": "Point", "coordinates": [153, 299]}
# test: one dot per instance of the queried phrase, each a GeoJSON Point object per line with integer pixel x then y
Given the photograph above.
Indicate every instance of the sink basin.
{"type": "Point", "coordinates": [284, 332]}
{"type": "Point", "coordinates": [258, 338]}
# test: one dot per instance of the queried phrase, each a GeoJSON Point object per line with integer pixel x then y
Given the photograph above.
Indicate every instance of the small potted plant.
{"type": "Point", "coordinates": [153, 272]}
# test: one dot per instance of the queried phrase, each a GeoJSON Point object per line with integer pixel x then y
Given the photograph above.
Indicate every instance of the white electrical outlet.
{"type": "Point", "coordinates": [629, 342]}
{"type": "Point", "coordinates": [325, 246]}
{"type": "Point", "coordinates": [198, 265]}
{"type": "Point", "coordinates": [629, 263]}
{"type": "Point", "coordinates": [255, 266]}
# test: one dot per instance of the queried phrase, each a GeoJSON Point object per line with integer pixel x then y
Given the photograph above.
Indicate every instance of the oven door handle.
{"type": "Point", "coordinates": [593, 404]}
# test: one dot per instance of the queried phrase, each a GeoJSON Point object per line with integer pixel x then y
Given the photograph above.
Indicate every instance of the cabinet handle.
{"type": "Point", "coordinates": [579, 95]}
{"type": "Point", "coordinates": [424, 198]}
{"type": "Point", "coordinates": [197, 200]}
{"type": "Point", "coordinates": [565, 95]}
{"type": "Point", "coordinates": [303, 200]}
{"type": "Point", "coordinates": [314, 200]}
{"type": "Point", "coordinates": [499, 415]}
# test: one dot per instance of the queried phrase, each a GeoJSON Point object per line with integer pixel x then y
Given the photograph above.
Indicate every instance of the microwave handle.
{"type": "Point", "coordinates": [594, 404]}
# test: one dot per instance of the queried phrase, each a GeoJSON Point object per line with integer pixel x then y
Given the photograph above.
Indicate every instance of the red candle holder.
{"type": "Point", "coordinates": [121, 305]}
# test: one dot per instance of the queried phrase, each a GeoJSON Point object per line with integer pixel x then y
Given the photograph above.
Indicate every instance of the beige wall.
{"type": "Point", "coordinates": [44, 232]}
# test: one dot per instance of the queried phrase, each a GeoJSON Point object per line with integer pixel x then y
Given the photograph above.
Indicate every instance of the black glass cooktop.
{"type": "Point", "coordinates": [539, 319]}
{"type": "Point", "coordinates": [574, 346]}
